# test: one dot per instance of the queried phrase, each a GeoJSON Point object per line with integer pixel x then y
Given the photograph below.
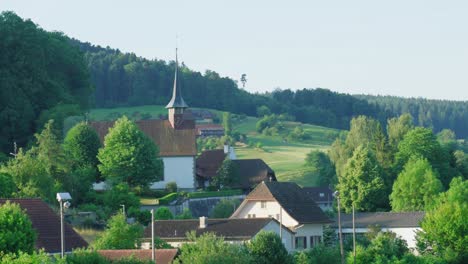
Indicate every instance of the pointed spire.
{"type": "Point", "coordinates": [177, 101]}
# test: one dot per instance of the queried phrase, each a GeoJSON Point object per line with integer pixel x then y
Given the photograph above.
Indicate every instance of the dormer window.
{"type": "Point", "coordinates": [322, 195]}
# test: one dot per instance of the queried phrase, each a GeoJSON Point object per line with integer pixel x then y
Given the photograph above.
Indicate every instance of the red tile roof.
{"type": "Point", "coordinates": [171, 142]}
{"type": "Point", "coordinates": [47, 225]}
{"type": "Point", "coordinates": [163, 256]}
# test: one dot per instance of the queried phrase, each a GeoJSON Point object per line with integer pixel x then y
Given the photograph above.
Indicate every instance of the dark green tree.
{"type": "Point", "coordinates": [163, 213]}
{"type": "Point", "coordinates": [266, 247]}
{"type": "Point", "coordinates": [321, 168]}
{"type": "Point", "coordinates": [81, 145]}
{"type": "Point", "coordinates": [227, 175]}
{"type": "Point", "coordinates": [129, 156]}
{"type": "Point", "coordinates": [7, 186]}
{"type": "Point", "coordinates": [16, 231]}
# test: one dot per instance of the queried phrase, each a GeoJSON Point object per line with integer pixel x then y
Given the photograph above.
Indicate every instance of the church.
{"type": "Point", "coordinates": [175, 137]}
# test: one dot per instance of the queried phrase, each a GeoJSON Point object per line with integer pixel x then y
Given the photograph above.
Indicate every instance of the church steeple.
{"type": "Point", "coordinates": [177, 104]}
{"type": "Point", "coordinates": [177, 101]}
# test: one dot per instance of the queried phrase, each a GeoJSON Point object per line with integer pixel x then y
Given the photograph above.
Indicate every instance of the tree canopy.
{"type": "Point", "coordinates": [119, 234]}
{"type": "Point", "coordinates": [445, 225]}
{"type": "Point", "coordinates": [129, 156]}
{"type": "Point", "coordinates": [416, 187]}
{"type": "Point", "coordinates": [39, 70]}
{"type": "Point", "coordinates": [266, 247]}
{"type": "Point", "coordinates": [361, 182]}
{"type": "Point", "coordinates": [16, 231]}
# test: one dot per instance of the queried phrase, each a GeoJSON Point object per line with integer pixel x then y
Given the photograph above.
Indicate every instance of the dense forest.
{"type": "Point", "coordinates": [42, 76]}
{"type": "Point", "coordinates": [436, 114]}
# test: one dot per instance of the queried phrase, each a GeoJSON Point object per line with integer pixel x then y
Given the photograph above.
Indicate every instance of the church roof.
{"type": "Point", "coordinates": [171, 142]}
{"type": "Point", "coordinates": [176, 101]}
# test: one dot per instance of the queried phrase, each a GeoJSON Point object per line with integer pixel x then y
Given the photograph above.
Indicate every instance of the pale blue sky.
{"type": "Point", "coordinates": [416, 48]}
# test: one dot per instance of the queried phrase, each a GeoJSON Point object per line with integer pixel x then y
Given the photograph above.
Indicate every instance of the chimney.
{"type": "Point", "coordinates": [203, 221]}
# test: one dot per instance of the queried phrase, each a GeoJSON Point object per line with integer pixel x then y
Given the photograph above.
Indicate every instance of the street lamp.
{"type": "Point", "coordinates": [63, 199]}
{"type": "Point", "coordinates": [337, 195]}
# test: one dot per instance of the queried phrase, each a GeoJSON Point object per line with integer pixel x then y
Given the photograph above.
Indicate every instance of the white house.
{"type": "Point", "coordinates": [289, 204]}
{"type": "Point", "coordinates": [403, 224]}
{"type": "Point", "coordinates": [175, 137]}
{"type": "Point", "coordinates": [174, 232]}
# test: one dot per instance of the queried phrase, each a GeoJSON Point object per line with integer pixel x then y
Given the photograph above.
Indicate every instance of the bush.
{"type": "Point", "coordinates": [16, 231]}
{"type": "Point", "coordinates": [163, 213]}
{"type": "Point", "coordinates": [266, 247]}
{"type": "Point", "coordinates": [171, 187]}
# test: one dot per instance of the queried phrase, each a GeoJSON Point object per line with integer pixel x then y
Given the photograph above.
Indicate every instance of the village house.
{"type": "Point", "coordinates": [289, 204]}
{"type": "Point", "coordinates": [403, 224]}
{"type": "Point", "coordinates": [174, 232]}
{"type": "Point", "coordinates": [209, 130]}
{"type": "Point", "coordinates": [175, 137]}
{"type": "Point", "coordinates": [47, 226]}
{"type": "Point", "coordinates": [323, 196]}
{"type": "Point", "coordinates": [250, 172]}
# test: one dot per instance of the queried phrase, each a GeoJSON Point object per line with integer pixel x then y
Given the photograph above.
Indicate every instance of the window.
{"type": "Point", "coordinates": [301, 242]}
{"type": "Point", "coordinates": [263, 204]}
{"type": "Point", "coordinates": [322, 195]}
{"type": "Point", "coordinates": [251, 216]}
{"type": "Point", "coordinates": [270, 216]}
{"type": "Point", "coordinates": [277, 217]}
{"type": "Point", "coordinates": [315, 241]}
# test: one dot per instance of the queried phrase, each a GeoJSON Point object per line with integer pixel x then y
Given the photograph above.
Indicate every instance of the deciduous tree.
{"type": "Point", "coordinates": [416, 187]}
{"type": "Point", "coordinates": [119, 234]}
{"type": "Point", "coordinates": [16, 231]}
{"type": "Point", "coordinates": [129, 156]}
{"type": "Point", "coordinates": [361, 182]}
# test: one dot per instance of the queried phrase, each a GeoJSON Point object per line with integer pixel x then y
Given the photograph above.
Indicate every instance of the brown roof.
{"type": "Point", "coordinates": [292, 198]}
{"type": "Point", "coordinates": [171, 142]}
{"type": "Point", "coordinates": [230, 229]}
{"type": "Point", "coordinates": [383, 219]}
{"type": "Point", "coordinates": [163, 256]}
{"type": "Point", "coordinates": [209, 162]}
{"type": "Point", "coordinates": [320, 194]}
{"type": "Point", "coordinates": [252, 172]}
{"type": "Point", "coordinates": [47, 225]}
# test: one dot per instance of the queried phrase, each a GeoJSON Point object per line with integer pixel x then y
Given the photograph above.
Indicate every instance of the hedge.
{"type": "Point", "coordinates": [214, 194]}
{"type": "Point", "coordinates": [168, 198]}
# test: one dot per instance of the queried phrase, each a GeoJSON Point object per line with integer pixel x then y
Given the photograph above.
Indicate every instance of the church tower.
{"type": "Point", "coordinates": [177, 104]}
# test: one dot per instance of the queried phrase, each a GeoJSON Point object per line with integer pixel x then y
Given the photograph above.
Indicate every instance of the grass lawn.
{"type": "Point", "coordinates": [88, 234]}
{"type": "Point", "coordinates": [285, 158]}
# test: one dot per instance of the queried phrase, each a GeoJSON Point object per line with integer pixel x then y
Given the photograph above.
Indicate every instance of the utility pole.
{"type": "Point", "coordinates": [153, 250]}
{"type": "Point", "coordinates": [281, 224]}
{"type": "Point", "coordinates": [15, 150]}
{"type": "Point", "coordinates": [337, 195]}
{"type": "Point", "coordinates": [354, 238]}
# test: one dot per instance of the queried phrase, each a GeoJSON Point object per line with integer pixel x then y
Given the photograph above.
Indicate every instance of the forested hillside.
{"type": "Point", "coordinates": [42, 76]}
{"type": "Point", "coordinates": [437, 114]}
{"type": "Point", "coordinates": [124, 79]}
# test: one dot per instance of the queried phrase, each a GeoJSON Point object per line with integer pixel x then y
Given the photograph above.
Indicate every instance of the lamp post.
{"type": "Point", "coordinates": [337, 195]}
{"type": "Point", "coordinates": [63, 199]}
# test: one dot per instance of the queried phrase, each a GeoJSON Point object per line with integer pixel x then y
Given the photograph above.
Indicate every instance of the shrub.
{"type": "Point", "coordinates": [171, 187]}
{"type": "Point", "coordinates": [163, 213]}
